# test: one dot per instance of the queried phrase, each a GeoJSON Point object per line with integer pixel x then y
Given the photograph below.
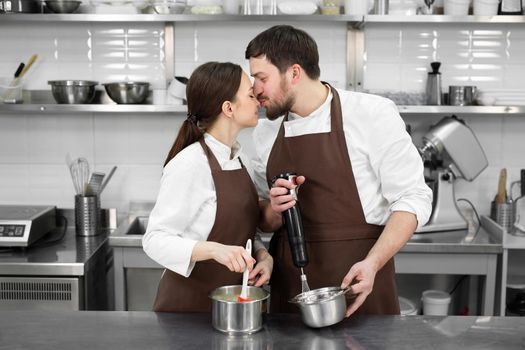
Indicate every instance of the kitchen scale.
{"type": "Point", "coordinates": [21, 225]}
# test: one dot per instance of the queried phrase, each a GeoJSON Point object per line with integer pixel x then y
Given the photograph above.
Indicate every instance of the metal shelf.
{"type": "Point", "coordinates": [91, 108]}
{"type": "Point", "coordinates": [180, 109]}
{"type": "Point", "coordinates": [442, 19]}
{"type": "Point", "coordinates": [84, 17]}
{"type": "Point", "coordinates": [461, 110]}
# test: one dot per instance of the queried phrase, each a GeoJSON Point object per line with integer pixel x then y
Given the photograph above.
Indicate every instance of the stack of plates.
{"type": "Point", "coordinates": [501, 97]}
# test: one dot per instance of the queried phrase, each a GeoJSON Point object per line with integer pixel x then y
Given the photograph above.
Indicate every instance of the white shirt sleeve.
{"type": "Point", "coordinates": [181, 199]}
{"type": "Point", "coordinates": [397, 164]}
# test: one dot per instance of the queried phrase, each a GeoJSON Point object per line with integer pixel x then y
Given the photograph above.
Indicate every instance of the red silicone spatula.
{"type": "Point", "coordinates": [244, 290]}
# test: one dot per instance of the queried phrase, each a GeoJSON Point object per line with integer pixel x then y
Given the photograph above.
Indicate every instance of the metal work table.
{"type": "Point", "coordinates": [426, 253]}
{"type": "Point", "coordinates": [449, 253]}
{"type": "Point", "coordinates": [74, 273]}
{"type": "Point", "coordinates": [70, 257]}
{"type": "Point", "coordinates": [148, 330]}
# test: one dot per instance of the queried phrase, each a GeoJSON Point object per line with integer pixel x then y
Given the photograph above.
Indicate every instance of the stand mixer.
{"type": "Point", "coordinates": [450, 151]}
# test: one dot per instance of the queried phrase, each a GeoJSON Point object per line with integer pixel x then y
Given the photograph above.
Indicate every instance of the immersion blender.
{"type": "Point", "coordinates": [294, 227]}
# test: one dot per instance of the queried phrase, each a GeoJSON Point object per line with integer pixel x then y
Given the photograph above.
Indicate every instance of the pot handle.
{"type": "Point", "coordinates": [346, 290]}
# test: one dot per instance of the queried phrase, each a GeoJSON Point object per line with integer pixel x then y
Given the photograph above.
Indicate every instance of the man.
{"type": "Point", "coordinates": [363, 191]}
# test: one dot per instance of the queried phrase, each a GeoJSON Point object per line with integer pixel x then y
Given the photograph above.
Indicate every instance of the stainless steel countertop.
{"type": "Point", "coordinates": [435, 242]}
{"type": "Point", "coordinates": [56, 330]}
{"type": "Point", "coordinates": [69, 257]}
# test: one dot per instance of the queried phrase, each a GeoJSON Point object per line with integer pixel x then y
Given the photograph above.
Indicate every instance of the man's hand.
{"type": "Point", "coordinates": [279, 198]}
{"type": "Point", "coordinates": [361, 276]}
{"type": "Point", "coordinates": [262, 271]}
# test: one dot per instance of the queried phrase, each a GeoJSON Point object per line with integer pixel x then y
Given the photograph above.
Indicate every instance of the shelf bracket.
{"type": "Point", "coordinates": [355, 51]}
{"type": "Point", "coordinates": [169, 51]}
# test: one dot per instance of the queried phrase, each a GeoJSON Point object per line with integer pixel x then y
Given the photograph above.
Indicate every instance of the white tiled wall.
{"type": "Point", "coordinates": [202, 42]}
{"type": "Point", "coordinates": [33, 146]}
{"type": "Point", "coordinates": [398, 56]}
{"type": "Point", "coordinates": [103, 52]}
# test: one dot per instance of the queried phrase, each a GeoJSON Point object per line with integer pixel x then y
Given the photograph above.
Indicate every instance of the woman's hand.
{"type": "Point", "coordinates": [262, 271]}
{"type": "Point", "coordinates": [235, 258]}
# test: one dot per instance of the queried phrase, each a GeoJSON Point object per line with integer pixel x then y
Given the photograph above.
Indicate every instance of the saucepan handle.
{"type": "Point", "coordinates": [346, 290]}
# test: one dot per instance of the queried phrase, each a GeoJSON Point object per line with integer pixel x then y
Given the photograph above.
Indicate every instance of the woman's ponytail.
{"type": "Point", "coordinates": [189, 133]}
{"type": "Point", "coordinates": [209, 86]}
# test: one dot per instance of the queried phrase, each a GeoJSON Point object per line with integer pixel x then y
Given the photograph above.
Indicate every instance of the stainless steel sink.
{"type": "Point", "coordinates": [138, 226]}
{"type": "Point", "coordinates": [129, 233]}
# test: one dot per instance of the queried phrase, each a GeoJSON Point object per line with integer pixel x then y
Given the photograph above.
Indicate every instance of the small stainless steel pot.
{"type": "Point", "coordinates": [322, 307]}
{"type": "Point", "coordinates": [234, 317]}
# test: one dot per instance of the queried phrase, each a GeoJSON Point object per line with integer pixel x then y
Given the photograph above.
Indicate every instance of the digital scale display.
{"type": "Point", "coordinates": [12, 230]}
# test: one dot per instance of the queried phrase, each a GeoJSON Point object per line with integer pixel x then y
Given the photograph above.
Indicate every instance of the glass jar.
{"type": "Point", "coordinates": [331, 7]}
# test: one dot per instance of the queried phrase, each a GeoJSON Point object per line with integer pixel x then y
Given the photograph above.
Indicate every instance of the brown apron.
{"type": "Point", "coordinates": [336, 231]}
{"type": "Point", "coordinates": [235, 221]}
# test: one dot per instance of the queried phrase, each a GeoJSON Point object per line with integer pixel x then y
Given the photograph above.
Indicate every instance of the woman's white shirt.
{"type": "Point", "coordinates": [185, 210]}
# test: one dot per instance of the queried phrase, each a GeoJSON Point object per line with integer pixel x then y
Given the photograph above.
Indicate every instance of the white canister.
{"type": "Point", "coordinates": [457, 7]}
{"type": "Point", "coordinates": [230, 7]}
{"type": "Point", "coordinates": [356, 7]}
{"type": "Point", "coordinates": [435, 302]}
{"type": "Point", "coordinates": [485, 7]}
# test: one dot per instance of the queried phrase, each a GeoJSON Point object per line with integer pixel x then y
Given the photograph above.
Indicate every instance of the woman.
{"type": "Point", "coordinates": [207, 207]}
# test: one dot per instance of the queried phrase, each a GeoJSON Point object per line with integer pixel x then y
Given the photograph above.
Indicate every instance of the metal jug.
{"type": "Point", "coordinates": [433, 90]}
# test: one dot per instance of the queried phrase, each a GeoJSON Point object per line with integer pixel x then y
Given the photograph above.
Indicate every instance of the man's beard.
{"type": "Point", "coordinates": [282, 105]}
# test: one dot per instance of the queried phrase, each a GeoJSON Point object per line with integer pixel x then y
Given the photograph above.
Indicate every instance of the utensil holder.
{"type": "Point", "coordinates": [10, 90]}
{"type": "Point", "coordinates": [503, 214]}
{"type": "Point", "coordinates": [87, 215]}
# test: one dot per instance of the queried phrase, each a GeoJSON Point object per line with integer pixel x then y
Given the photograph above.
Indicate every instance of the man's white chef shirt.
{"type": "Point", "coordinates": [387, 167]}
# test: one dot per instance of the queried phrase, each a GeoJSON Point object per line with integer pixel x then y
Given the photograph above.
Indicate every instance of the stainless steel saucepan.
{"type": "Point", "coordinates": [238, 317]}
{"type": "Point", "coordinates": [322, 307]}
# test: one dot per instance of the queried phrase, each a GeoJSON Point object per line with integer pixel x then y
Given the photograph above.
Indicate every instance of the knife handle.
{"type": "Point", "coordinates": [501, 197]}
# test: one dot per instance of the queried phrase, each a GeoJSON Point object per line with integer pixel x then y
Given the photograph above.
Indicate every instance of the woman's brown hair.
{"type": "Point", "coordinates": [208, 87]}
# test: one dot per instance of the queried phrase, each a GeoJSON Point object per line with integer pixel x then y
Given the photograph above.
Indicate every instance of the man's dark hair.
{"type": "Point", "coordinates": [284, 46]}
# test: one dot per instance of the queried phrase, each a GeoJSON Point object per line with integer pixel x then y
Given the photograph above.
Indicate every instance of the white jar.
{"type": "Point", "coordinates": [485, 7]}
{"type": "Point", "coordinates": [230, 7]}
{"type": "Point", "coordinates": [457, 7]}
{"type": "Point", "coordinates": [356, 7]}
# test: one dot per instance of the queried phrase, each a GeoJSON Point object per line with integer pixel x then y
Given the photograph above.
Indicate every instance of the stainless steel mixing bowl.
{"type": "Point", "coordinates": [62, 6]}
{"type": "Point", "coordinates": [235, 317]}
{"type": "Point", "coordinates": [127, 92]}
{"type": "Point", "coordinates": [322, 307]}
{"type": "Point", "coordinates": [73, 91]}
